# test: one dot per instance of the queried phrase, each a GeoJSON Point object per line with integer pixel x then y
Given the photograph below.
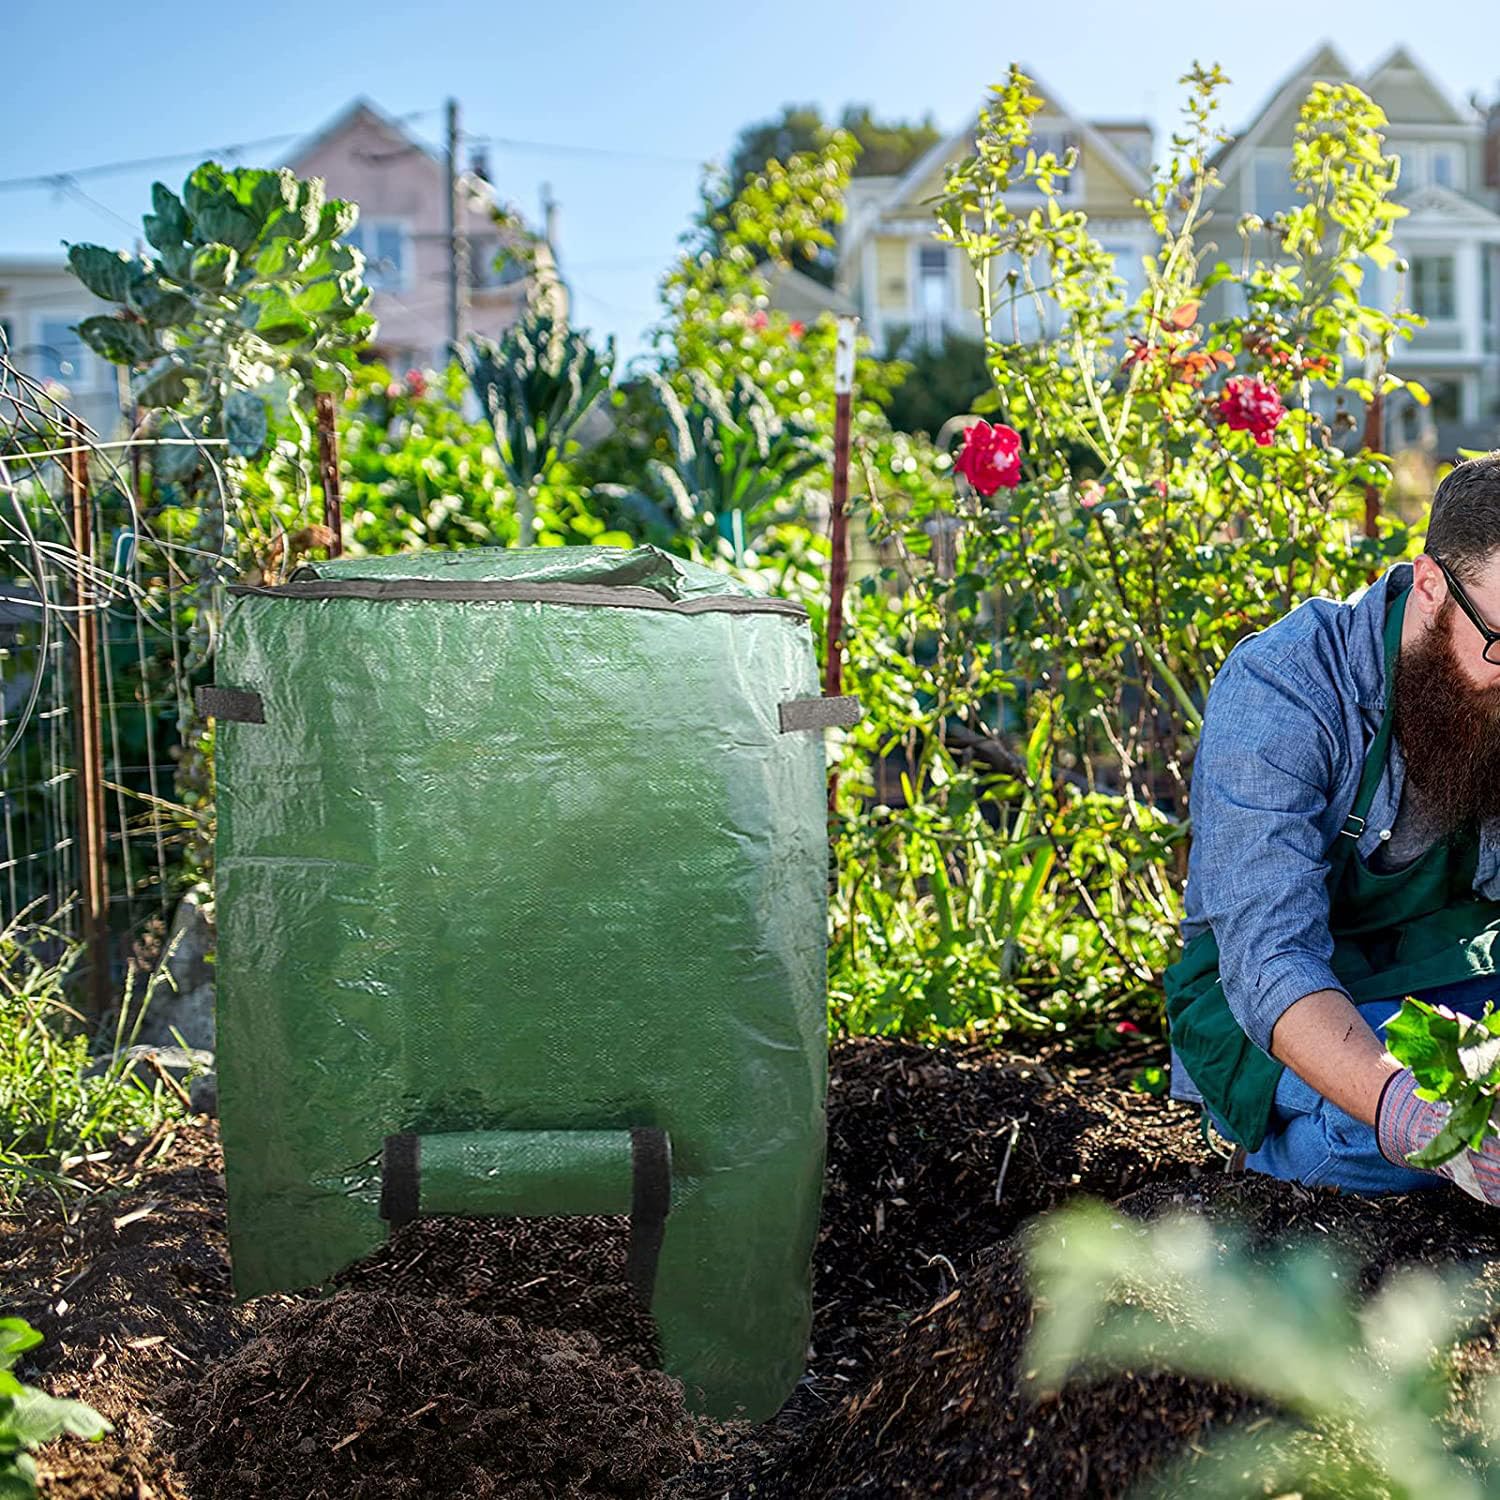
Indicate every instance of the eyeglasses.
{"type": "Point", "coordinates": [1491, 637]}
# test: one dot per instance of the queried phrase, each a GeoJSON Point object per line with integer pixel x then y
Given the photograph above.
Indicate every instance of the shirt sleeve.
{"type": "Point", "coordinates": [1268, 760]}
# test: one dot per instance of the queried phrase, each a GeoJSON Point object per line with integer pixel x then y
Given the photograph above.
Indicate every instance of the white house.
{"type": "Point", "coordinates": [910, 285]}
{"type": "Point", "coordinates": [40, 301]}
{"type": "Point", "coordinates": [1450, 235]}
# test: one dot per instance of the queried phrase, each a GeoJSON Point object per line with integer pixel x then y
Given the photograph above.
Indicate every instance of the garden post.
{"type": "Point", "coordinates": [328, 469]}
{"type": "Point", "coordinates": [838, 570]}
{"type": "Point", "coordinates": [92, 874]}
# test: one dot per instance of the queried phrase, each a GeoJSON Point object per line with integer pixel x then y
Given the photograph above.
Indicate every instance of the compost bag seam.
{"type": "Point", "coordinates": [463, 591]}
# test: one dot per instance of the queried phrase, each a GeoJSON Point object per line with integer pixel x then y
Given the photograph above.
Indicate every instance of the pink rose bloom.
{"type": "Point", "coordinates": [990, 457]}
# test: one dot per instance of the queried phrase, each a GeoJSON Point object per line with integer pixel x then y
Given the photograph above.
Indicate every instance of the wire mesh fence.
{"type": "Point", "coordinates": [101, 640]}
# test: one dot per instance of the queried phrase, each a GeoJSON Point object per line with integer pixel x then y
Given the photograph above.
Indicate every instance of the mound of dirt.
{"type": "Point", "coordinates": [948, 1412]}
{"type": "Point", "coordinates": [555, 1273]}
{"type": "Point", "coordinates": [367, 1395]}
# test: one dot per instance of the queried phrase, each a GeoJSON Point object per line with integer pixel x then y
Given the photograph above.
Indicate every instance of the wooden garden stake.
{"type": "Point", "coordinates": [838, 570]}
{"type": "Point", "coordinates": [328, 469]}
{"type": "Point", "coordinates": [92, 869]}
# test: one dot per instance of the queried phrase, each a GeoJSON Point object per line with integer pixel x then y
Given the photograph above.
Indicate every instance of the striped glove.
{"type": "Point", "coordinates": [1404, 1123]}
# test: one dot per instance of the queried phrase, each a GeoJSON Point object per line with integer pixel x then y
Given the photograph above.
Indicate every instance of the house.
{"type": "Point", "coordinates": [1450, 236]}
{"type": "Point", "coordinates": [40, 302]}
{"type": "Point", "coordinates": [910, 285]}
{"type": "Point", "coordinates": [401, 187]}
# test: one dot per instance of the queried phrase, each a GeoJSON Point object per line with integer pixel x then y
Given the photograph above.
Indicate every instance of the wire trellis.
{"type": "Point", "coordinates": [128, 571]}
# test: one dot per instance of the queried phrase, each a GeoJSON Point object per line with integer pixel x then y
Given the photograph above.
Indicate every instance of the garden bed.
{"type": "Point", "coordinates": [505, 1358]}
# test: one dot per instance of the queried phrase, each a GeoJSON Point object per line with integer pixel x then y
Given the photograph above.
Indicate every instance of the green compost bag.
{"type": "Point", "coordinates": [521, 876]}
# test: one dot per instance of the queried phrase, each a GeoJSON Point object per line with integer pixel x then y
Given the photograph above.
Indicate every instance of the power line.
{"type": "Point", "coordinates": [559, 148]}
{"type": "Point", "coordinates": [143, 163]}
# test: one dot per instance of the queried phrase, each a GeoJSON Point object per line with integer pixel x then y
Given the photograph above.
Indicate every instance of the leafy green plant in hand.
{"type": "Point", "coordinates": [1456, 1061]}
{"type": "Point", "coordinates": [29, 1417]}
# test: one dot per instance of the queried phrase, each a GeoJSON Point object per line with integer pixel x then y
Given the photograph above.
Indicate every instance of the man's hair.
{"type": "Point", "coordinates": [1464, 527]}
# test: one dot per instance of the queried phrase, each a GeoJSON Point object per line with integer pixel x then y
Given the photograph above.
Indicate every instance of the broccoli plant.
{"type": "Point", "coordinates": [29, 1417]}
{"type": "Point", "coordinates": [1456, 1061]}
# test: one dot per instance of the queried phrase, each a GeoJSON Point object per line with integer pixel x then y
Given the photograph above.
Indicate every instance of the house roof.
{"type": "Point", "coordinates": [962, 141]}
{"type": "Point", "coordinates": [1443, 204]}
{"type": "Point", "coordinates": [361, 108]}
{"type": "Point", "coordinates": [1325, 61]}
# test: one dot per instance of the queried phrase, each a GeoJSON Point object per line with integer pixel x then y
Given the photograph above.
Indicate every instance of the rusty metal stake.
{"type": "Point", "coordinates": [838, 569]}
{"type": "Point", "coordinates": [93, 871]}
{"type": "Point", "coordinates": [1374, 443]}
{"type": "Point", "coordinates": [328, 470]}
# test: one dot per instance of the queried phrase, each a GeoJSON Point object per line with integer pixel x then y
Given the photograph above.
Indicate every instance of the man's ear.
{"type": "Point", "coordinates": [1429, 588]}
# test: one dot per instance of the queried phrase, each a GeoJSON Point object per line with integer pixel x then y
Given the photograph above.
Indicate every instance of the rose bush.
{"type": "Point", "coordinates": [1158, 476]}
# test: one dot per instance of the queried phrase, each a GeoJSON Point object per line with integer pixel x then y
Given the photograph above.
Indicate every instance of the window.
{"type": "Point", "coordinates": [383, 243]}
{"type": "Point", "coordinates": [59, 354]}
{"type": "Point", "coordinates": [1432, 292]}
{"type": "Point", "coordinates": [1446, 165]}
{"type": "Point", "coordinates": [1274, 193]}
{"type": "Point", "coordinates": [1059, 143]}
{"type": "Point", "coordinates": [934, 293]}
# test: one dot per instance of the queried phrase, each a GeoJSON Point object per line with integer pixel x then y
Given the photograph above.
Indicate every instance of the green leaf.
{"type": "Point", "coordinates": [165, 383]}
{"type": "Point", "coordinates": [35, 1418]}
{"type": "Point", "coordinates": [214, 265]}
{"type": "Point", "coordinates": [119, 341]}
{"type": "Point", "coordinates": [1418, 393]}
{"type": "Point", "coordinates": [1427, 1043]}
{"type": "Point", "coordinates": [168, 226]}
{"type": "Point", "coordinates": [245, 423]}
{"type": "Point", "coordinates": [337, 219]}
{"type": "Point", "coordinates": [277, 321]}
{"type": "Point", "coordinates": [160, 305]}
{"type": "Point", "coordinates": [16, 1337]}
{"type": "Point", "coordinates": [106, 273]}
{"type": "Point", "coordinates": [223, 225]}
{"type": "Point", "coordinates": [18, 1478]}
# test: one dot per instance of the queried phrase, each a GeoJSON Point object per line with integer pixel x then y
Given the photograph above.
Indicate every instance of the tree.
{"type": "Point", "coordinates": [884, 147]}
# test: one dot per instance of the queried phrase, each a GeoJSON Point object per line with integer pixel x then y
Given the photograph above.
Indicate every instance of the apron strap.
{"type": "Point", "coordinates": [1375, 759]}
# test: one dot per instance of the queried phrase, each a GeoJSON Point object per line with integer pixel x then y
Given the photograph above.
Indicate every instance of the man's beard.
{"type": "Point", "coordinates": [1448, 730]}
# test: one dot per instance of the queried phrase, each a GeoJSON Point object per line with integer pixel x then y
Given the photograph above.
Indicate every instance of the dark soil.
{"type": "Point", "coordinates": [373, 1396]}
{"type": "Point", "coordinates": [504, 1358]}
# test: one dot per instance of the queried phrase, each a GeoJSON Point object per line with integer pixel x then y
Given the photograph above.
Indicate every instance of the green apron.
{"type": "Point", "coordinates": [1394, 934]}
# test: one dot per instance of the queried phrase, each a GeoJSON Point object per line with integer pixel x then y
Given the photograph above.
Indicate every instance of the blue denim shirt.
{"type": "Point", "coordinates": [1285, 730]}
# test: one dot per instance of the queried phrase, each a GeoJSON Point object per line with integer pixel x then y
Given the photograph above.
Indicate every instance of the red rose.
{"type": "Point", "coordinates": [757, 321]}
{"type": "Point", "coordinates": [796, 329]}
{"type": "Point", "coordinates": [416, 382]}
{"type": "Point", "coordinates": [990, 457]}
{"type": "Point", "coordinates": [1250, 405]}
{"type": "Point", "coordinates": [1127, 1028]}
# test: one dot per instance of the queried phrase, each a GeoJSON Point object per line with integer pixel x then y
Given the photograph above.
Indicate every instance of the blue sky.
{"type": "Point", "coordinates": [665, 82]}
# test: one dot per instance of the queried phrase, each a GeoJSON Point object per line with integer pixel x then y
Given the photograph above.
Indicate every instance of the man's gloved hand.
{"type": "Point", "coordinates": [1404, 1123]}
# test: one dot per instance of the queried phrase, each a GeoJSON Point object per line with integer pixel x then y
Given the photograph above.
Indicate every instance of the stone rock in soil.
{"type": "Point", "coordinates": [367, 1395]}
{"type": "Point", "coordinates": [182, 988]}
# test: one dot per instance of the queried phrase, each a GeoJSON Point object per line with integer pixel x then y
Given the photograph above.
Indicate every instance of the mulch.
{"type": "Point", "coordinates": [506, 1357]}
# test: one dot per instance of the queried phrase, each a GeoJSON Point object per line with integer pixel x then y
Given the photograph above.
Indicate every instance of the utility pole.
{"type": "Point", "coordinates": [458, 244]}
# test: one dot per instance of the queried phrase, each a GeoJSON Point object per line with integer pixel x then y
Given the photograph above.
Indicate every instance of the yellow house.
{"type": "Point", "coordinates": [911, 288]}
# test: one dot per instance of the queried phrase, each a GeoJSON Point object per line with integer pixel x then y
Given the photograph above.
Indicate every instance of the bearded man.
{"type": "Point", "coordinates": [1346, 853]}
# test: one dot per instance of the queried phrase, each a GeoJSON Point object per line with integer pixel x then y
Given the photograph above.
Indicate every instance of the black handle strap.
{"type": "Point", "coordinates": [240, 704]}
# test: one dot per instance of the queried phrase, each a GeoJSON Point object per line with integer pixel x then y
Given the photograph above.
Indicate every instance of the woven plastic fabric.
{"type": "Point", "coordinates": [504, 859]}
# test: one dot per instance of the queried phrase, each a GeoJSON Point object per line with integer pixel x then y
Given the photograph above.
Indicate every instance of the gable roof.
{"type": "Point", "coordinates": [961, 141]}
{"type": "Point", "coordinates": [1327, 62]}
{"type": "Point", "coordinates": [358, 110]}
{"type": "Point", "coordinates": [1442, 204]}
{"type": "Point", "coordinates": [1400, 60]}
{"type": "Point", "coordinates": [1323, 61]}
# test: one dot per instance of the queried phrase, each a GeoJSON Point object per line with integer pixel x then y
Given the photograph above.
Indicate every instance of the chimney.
{"type": "Point", "coordinates": [549, 216]}
{"type": "Point", "coordinates": [1492, 146]}
{"type": "Point", "coordinates": [479, 164]}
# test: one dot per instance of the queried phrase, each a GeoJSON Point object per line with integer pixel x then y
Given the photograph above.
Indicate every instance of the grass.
{"type": "Point", "coordinates": [53, 1112]}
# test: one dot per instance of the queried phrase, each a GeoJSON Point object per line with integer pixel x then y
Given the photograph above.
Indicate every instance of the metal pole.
{"type": "Point", "coordinates": [328, 471]}
{"type": "Point", "coordinates": [838, 568]}
{"type": "Point", "coordinates": [456, 250]}
{"type": "Point", "coordinates": [1374, 443]}
{"type": "Point", "coordinates": [93, 871]}
{"type": "Point", "coordinates": [453, 224]}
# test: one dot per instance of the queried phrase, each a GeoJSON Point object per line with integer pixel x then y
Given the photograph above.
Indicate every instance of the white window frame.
{"type": "Point", "coordinates": [1283, 159]}
{"type": "Point", "coordinates": [932, 325]}
{"type": "Point", "coordinates": [365, 236]}
{"type": "Point", "coordinates": [87, 368]}
{"type": "Point", "coordinates": [1441, 320]}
